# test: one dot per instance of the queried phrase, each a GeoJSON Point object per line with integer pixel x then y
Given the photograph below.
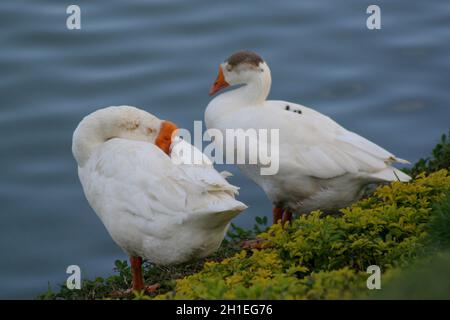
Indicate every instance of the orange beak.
{"type": "Point", "coordinates": [220, 83]}
{"type": "Point", "coordinates": [164, 138]}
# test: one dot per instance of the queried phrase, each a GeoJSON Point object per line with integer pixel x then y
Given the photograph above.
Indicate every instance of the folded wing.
{"type": "Point", "coordinates": [137, 178]}
{"type": "Point", "coordinates": [324, 149]}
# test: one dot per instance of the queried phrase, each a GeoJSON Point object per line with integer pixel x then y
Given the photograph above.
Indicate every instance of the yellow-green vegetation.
{"type": "Point", "coordinates": [325, 257]}
{"type": "Point", "coordinates": [404, 228]}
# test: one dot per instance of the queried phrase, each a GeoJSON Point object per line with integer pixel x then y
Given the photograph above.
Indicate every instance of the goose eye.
{"type": "Point", "coordinates": [149, 130]}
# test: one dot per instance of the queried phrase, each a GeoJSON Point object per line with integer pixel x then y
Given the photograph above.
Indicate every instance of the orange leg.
{"type": "Point", "coordinates": [277, 214]}
{"type": "Point", "coordinates": [287, 217]}
{"type": "Point", "coordinates": [136, 271]}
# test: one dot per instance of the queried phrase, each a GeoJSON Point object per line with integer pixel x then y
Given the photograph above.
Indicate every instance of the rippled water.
{"type": "Point", "coordinates": [391, 86]}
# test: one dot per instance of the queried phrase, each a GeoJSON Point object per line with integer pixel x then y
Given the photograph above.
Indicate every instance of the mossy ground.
{"type": "Point", "coordinates": [117, 285]}
{"type": "Point", "coordinates": [404, 228]}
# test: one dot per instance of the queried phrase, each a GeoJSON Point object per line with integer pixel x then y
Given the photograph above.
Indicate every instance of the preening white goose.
{"type": "Point", "coordinates": [153, 207]}
{"type": "Point", "coordinates": [321, 164]}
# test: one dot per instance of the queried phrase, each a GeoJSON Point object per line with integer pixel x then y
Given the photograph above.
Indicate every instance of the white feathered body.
{"type": "Point", "coordinates": [321, 164]}
{"type": "Point", "coordinates": [153, 208]}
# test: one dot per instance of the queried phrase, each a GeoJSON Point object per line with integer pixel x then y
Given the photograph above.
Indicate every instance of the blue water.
{"type": "Point", "coordinates": [390, 85]}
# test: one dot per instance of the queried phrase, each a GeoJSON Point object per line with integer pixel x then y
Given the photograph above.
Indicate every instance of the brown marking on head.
{"type": "Point", "coordinates": [247, 57]}
{"type": "Point", "coordinates": [164, 138]}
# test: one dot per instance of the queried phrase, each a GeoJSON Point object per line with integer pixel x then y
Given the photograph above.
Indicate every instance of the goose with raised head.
{"type": "Point", "coordinates": [321, 164]}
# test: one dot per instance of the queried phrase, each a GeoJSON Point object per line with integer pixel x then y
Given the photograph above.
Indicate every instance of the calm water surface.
{"type": "Point", "coordinates": [391, 86]}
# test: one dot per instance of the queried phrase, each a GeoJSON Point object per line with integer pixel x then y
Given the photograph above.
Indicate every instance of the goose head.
{"type": "Point", "coordinates": [123, 122]}
{"type": "Point", "coordinates": [244, 68]}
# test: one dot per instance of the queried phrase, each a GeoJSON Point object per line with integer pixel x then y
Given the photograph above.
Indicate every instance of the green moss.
{"type": "Point", "coordinates": [117, 285]}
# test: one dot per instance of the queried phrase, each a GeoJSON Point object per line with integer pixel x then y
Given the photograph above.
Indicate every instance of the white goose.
{"type": "Point", "coordinates": [321, 164]}
{"type": "Point", "coordinates": [154, 208]}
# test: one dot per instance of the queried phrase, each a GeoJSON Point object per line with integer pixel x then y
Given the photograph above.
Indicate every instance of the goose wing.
{"type": "Point", "coordinates": [137, 178]}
